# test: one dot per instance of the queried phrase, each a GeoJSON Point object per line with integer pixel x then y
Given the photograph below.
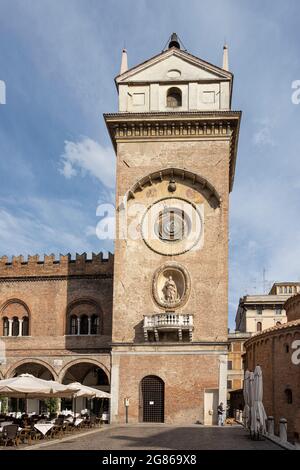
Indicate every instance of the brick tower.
{"type": "Point", "coordinates": [175, 138]}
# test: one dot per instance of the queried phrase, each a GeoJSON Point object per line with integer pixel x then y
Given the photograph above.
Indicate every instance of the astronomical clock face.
{"type": "Point", "coordinates": [172, 226]}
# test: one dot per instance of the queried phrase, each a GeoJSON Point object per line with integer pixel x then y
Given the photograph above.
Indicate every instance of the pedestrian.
{"type": "Point", "coordinates": [221, 413]}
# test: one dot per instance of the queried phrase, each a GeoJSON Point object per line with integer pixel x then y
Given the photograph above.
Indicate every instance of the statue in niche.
{"type": "Point", "coordinates": [170, 290]}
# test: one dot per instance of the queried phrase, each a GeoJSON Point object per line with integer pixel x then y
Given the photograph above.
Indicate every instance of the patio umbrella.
{"type": "Point", "coordinates": [252, 418]}
{"type": "Point", "coordinates": [87, 392]}
{"type": "Point", "coordinates": [28, 386]}
{"type": "Point", "coordinates": [246, 411]}
{"type": "Point", "coordinates": [260, 414]}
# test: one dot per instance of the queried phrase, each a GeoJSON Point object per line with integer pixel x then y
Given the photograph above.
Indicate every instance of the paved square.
{"type": "Point", "coordinates": [161, 437]}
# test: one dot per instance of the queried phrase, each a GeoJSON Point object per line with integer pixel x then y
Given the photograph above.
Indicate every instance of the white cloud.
{"type": "Point", "coordinates": [265, 232]}
{"type": "Point", "coordinates": [88, 157]}
{"type": "Point", "coordinates": [37, 225]}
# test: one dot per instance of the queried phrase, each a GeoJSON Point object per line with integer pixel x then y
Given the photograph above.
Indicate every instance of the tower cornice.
{"type": "Point", "coordinates": [174, 126]}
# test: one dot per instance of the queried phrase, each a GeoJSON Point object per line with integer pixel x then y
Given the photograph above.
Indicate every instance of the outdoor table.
{"type": "Point", "coordinates": [77, 421]}
{"type": "Point", "coordinates": [43, 427]}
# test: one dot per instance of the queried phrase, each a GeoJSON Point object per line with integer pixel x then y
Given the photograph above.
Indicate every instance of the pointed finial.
{"type": "Point", "coordinates": [174, 42]}
{"type": "Point", "coordinates": [225, 65]}
{"type": "Point", "coordinates": [124, 62]}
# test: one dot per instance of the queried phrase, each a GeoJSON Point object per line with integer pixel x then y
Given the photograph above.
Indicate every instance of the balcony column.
{"type": "Point", "coordinates": [20, 326]}
{"type": "Point", "coordinates": [78, 325]}
{"type": "Point", "coordinates": [89, 325]}
{"type": "Point", "coordinates": [10, 324]}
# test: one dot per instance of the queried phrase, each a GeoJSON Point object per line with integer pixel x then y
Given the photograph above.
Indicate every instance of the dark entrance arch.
{"type": "Point", "coordinates": [153, 399]}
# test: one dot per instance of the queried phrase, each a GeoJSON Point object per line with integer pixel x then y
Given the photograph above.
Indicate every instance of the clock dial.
{"type": "Point", "coordinates": [172, 226]}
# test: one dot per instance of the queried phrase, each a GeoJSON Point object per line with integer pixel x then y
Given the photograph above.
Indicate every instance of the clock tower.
{"type": "Point", "coordinates": [175, 138]}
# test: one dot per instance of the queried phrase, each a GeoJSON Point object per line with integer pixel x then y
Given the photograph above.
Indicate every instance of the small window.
{"type": "Point", "coordinates": [229, 384]}
{"type": "Point", "coordinates": [288, 396]}
{"type": "Point", "coordinates": [15, 327]}
{"type": "Point", "coordinates": [174, 98]}
{"type": "Point", "coordinates": [95, 325]}
{"type": "Point", "coordinates": [278, 323]}
{"type": "Point", "coordinates": [259, 311]}
{"type": "Point", "coordinates": [229, 365]}
{"type": "Point", "coordinates": [84, 325]}
{"type": "Point", "coordinates": [278, 311]}
{"type": "Point", "coordinates": [258, 326]}
{"type": "Point", "coordinates": [5, 326]}
{"type": "Point", "coordinates": [290, 290]}
{"type": "Point", "coordinates": [286, 348]}
{"type": "Point", "coordinates": [25, 326]}
{"type": "Point", "coordinates": [73, 325]}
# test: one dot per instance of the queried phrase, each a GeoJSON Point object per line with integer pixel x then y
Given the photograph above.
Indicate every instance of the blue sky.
{"type": "Point", "coordinates": [58, 59]}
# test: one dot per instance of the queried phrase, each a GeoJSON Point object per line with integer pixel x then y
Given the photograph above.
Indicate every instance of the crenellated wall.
{"type": "Point", "coordinates": [49, 265]}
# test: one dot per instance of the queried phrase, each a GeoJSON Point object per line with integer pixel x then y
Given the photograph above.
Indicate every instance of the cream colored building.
{"type": "Point", "coordinates": [258, 312]}
{"type": "Point", "coordinates": [255, 313]}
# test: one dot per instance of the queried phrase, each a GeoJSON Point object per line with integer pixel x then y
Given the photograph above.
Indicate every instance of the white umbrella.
{"type": "Point", "coordinates": [252, 418]}
{"type": "Point", "coordinates": [29, 385]}
{"type": "Point", "coordinates": [88, 392]}
{"type": "Point", "coordinates": [260, 414]}
{"type": "Point", "coordinates": [246, 411]}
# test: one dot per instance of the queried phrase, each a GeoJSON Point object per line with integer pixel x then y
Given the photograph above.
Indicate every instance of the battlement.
{"type": "Point", "coordinates": [49, 265]}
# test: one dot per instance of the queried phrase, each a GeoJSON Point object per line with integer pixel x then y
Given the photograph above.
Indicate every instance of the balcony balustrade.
{"type": "Point", "coordinates": [168, 322]}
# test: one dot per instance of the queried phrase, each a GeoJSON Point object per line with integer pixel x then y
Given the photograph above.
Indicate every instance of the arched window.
{"type": "Point", "coordinates": [25, 326]}
{"type": "Point", "coordinates": [84, 325]}
{"type": "Point", "coordinates": [278, 323]}
{"type": "Point", "coordinates": [289, 396]}
{"type": "Point", "coordinates": [258, 326]}
{"type": "Point", "coordinates": [5, 326]}
{"type": "Point", "coordinates": [73, 325]}
{"type": "Point", "coordinates": [174, 98]}
{"type": "Point", "coordinates": [15, 327]}
{"type": "Point", "coordinates": [95, 325]}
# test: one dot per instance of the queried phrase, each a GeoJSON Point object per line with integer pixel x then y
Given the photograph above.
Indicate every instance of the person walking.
{"type": "Point", "coordinates": [221, 413]}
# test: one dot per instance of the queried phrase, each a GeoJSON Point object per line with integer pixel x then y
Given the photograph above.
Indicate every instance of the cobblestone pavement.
{"type": "Point", "coordinates": [161, 437]}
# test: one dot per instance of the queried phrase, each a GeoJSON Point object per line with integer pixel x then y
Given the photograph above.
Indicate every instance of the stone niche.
{"type": "Point", "coordinates": [171, 285]}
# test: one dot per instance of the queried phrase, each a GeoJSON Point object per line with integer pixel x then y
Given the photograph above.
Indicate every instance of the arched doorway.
{"type": "Point", "coordinates": [91, 375]}
{"type": "Point", "coordinates": [153, 399]}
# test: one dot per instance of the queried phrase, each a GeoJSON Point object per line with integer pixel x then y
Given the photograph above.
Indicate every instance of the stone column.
{"type": "Point", "coordinates": [89, 325]}
{"type": "Point", "coordinates": [114, 390]}
{"type": "Point", "coordinates": [283, 429]}
{"type": "Point", "coordinates": [78, 326]}
{"type": "Point", "coordinates": [271, 425]}
{"type": "Point", "coordinates": [20, 327]}
{"type": "Point", "coordinates": [223, 379]}
{"type": "Point", "coordinates": [10, 324]}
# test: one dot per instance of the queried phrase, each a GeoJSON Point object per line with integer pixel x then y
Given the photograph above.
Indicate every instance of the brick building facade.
{"type": "Point", "coordinates": [56, 318]}
{"type": "Point", "coordinates": [277, 351]}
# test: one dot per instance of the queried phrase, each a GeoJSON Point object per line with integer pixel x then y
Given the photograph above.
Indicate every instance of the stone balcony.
{"type": "Point", "coordinates": [168, 323]}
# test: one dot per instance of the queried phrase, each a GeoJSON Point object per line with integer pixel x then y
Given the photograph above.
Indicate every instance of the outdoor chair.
{"type": "Point", "coordinates": [29, 434]}
{"type": "Point", "coordinates": [10, 434]}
